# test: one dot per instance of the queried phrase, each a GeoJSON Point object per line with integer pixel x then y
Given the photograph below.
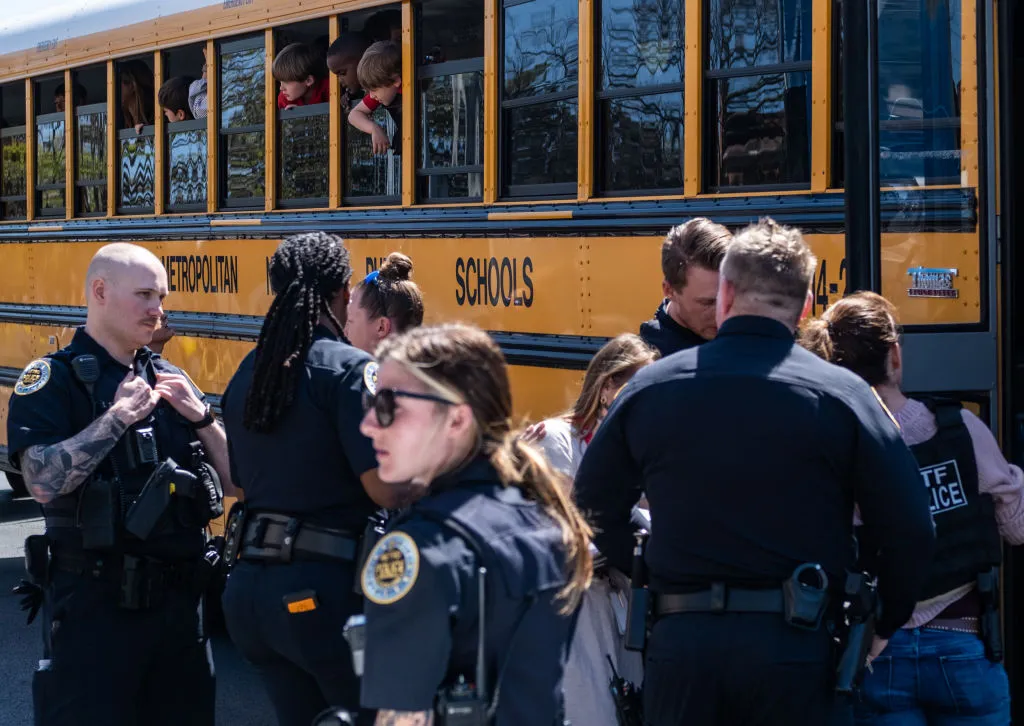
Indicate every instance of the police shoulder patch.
{"type": "Point", "coordinates": [391, 569]}
{"type": "Point", "coordinates": [370, 377]}
{"type": "Point", "coordinates": [35, 376]}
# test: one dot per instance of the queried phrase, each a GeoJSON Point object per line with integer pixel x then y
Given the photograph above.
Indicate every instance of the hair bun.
{"type": "Point", "coordinates": [396, 267]}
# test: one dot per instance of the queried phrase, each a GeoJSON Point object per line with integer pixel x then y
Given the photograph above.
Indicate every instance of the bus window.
{"type": "Point", "coordinates": [242, 122]}
{"type": "Point", "coordinates": [181, 98]}
{"type": "Point", "coordinates": [373, 178]}
{"type": "Point", "coordinates": [50, 157]}
{"type": "Point", "coordinates": [757, 94]}
{"type": "Point", "coordinates": [90, 103]}
{"type": "Point", "coordinates": [539, 99]}
{"type": "Point", "coordinates": [300, 69]}
{"type": "Point", "coordinates": [13, 185]}
{"type": "Point", "coordinates": [919, 84]}
{"type": "Point", "coordinates": [450, 72]}
{"type": "Point", "coordinates": [136, 101]}
{"type": "Point", "coordinates": [640, 96]}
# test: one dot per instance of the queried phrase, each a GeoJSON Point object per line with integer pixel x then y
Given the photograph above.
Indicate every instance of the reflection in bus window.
{"type": "Point", "coordinates": [539, 103]}
{"type": "Point", "coordinates": [450, 74]}
{"type": "Point", "coordinates": [757, 93]}
{"type": "Point", "coordinates": [50, 161]}
{"type": "Point", "coordinates": [186, 169]}
{"type": "Point", "coordinates": [919, 86]}
{"type": "Point", "coordinates": [640, 98]}
{"type": "Point", "coordinates": [13, 183]}
{"type": "Point", "coordinates": [373, 177]}
{"type": "Point", "coordinates": [91, 159]}
{"type": "Point", "coordinates": [242, 120]}
{"type": "Point", "coordinates": [138, 171]}
{"type": "Point", "coordinates": [305, 155]}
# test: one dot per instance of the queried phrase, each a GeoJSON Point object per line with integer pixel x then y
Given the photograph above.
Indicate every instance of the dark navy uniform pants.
{"type": "Point", "coordinates": [732, 669]}
{"type": "Point", "coordinates": [303, 658]}
{"type": "Point", "coordinates": [121, 667]}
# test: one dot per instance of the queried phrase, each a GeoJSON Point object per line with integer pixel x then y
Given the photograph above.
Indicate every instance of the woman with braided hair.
{"type": "Point", "coordinates": [292, 413]}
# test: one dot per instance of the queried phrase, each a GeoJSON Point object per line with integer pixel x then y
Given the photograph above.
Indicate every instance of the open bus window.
{"type": "Point", "coordinates": [300, 68]}
{"type": "Point", "coordinates": [758, 94]}
{"type": "Point", "coordinates": [184, 92]}
{"type": "Point", "coordinates": [919, 86]}
{"type": "Point", "coordinates": [242, 122]}
{"type": "Point", "coordinates": [13, 184]}
{"type": "Point", "coordinates": [371, 178]}
{"type": "Point", "coordinates": [89, 98]}
{"type": "Point", "coordinates": [450, 71]}
{"type": "Point", "coordinates": [136, 101]}
{"type": "Point", "coordinates": [640, 96]}
{"type": "Point", "coordinates": [51, 158]}
{"type": "Point", "coordinates": [540, 97]}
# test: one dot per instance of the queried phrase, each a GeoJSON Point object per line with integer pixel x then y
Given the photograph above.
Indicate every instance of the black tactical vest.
{"type": "Point", "coordinates": [966, 534]}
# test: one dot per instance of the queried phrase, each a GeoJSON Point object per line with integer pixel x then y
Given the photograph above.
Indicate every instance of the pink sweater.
{"type": "Point", "coordinates": [997, 477]}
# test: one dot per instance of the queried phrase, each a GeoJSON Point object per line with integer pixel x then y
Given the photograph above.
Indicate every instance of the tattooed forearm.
{"type": "Point", "coordinates": [404, 718]}
{"type": "Point", "coordinates": [58, 469]}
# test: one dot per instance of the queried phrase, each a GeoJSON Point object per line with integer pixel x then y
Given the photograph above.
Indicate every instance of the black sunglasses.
{"type": "Point", "coordinates": [383, 403]}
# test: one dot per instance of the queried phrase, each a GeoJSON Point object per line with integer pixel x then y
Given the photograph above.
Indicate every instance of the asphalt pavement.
{"type": "Point", "coordinates": [241, 700]}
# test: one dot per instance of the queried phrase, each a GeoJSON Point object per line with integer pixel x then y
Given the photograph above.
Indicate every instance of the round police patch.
{"type": "Point", "coordinates": [391, 570]}
{"type": "Point", "coordinates": [370, 377]}
{"type": "Point", "coordinates": [35, 376]}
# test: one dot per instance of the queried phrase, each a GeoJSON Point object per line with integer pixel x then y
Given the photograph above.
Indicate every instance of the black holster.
{"type": "Point", "coordinates": [234, 530]}
{"type": "Point", "coordinates": [860, 611]}
{"type": "Point", "coordinates": [987, 584]}
{"type": "Point", "coordinates": [639, 612]}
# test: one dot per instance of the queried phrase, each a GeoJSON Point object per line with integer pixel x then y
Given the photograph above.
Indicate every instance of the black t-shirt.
{"type": "Point", "coordinates": [752, 453]}
{"type": "Point", "coordinates": [668, 336]}
{"type": "Point", "coordinates": [311, 462]}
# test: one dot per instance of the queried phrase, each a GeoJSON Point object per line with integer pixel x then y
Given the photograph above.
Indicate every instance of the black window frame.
{"type": "Point", "coordinates": [521, 192]}
{"type": "Point", "coordinates": [50, 212]}
{"type": "Point", "coordinates": [4, 134]}
{"type": "Point", "coordinates": [222, 48]}
{"type": "Point", "coordinates": [601, 95]}
{"type": "Point", "coordinates": [147, 131]}
{"type": "Point", "coordinates": [90, 109]}
{"type": "Point", "coordinates": [309, 111]}
{"type": "Point", "coordinates": [174, 127]}
{"type": "Point", "coordinates": [710, 78]}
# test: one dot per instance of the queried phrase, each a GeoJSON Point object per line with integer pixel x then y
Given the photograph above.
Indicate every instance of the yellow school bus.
{"type": "Point", "coordinates": [543, 149]}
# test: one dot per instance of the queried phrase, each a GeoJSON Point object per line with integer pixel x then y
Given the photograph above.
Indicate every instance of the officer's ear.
{"type": "Point", "coordinates": [460, 419]}
{"type": "Point", "coordinates": [383, 326]}
{"type": "Point", "coordinates": [98, 290]}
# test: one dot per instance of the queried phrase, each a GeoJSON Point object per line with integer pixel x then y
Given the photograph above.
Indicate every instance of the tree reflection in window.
{"type": "Point", "coordinates": [50, 163]}
{"type": "Point", "coordinates": [242, 122]}
{"type": "Point", "coordinates": [12, 173]}
{"type": "Point", "coordinates": [91, 160]}
{"type": "Point", "coordinates": [186, 170]}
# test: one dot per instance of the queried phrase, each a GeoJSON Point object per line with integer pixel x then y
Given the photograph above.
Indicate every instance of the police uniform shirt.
{"type": "Point", "coordinates": [668, 336]}
{"type": "Point", "coordinates": [752, 452]}
{"type": "Point", "coordinates": [421, 588]}
{"type": "Point", "coordinates": [310, 463]}
{"type": "Point", "coordinates": [50, 405]}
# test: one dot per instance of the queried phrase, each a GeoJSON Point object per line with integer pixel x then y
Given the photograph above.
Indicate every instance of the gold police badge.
{"type": "Point", "coordinates": [35, 376]}
{"type": "Point", "coordinates": [391, 570]}
{"type": "Point", "coordinates": [370, 377]}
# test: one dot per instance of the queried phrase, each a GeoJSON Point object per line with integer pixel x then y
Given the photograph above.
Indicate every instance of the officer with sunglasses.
{"type": "Point", "coordinates": [292, 413]}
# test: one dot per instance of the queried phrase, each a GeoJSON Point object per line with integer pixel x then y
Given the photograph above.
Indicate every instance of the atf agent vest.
{"type": "Point", "coordinates": [522, 549]}
{"type": "Point", "coordinates": [966, 534]}
{"type": "Point", "coordinates": [73, 520]}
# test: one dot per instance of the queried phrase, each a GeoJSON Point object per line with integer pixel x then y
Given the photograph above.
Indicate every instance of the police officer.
{"type": "Point", "coordinates": [114, 442]}
{"type": "Point", "coordinates": [292, 412]}
{"type": "Point", "coordinates": [752, 453]}
{"type": "Point", "coordinates": [690, 256]}
{"type": "Point", "coordinates": [944, 664]}
{"type": "Point", "coordinates": [493, 545]}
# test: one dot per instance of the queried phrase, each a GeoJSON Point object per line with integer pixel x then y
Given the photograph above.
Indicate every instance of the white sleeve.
{"type": "Point", "coordinates": [557, 446]}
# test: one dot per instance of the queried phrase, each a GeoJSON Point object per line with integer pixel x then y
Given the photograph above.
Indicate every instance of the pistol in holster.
{"type": "Point", "coordinates": [234, 530]}
{"type": "Point", "coordinates": [639, 612]}
{"type": "Point", "coordinates": [210, 496]}
{"type": "Point", "coordinates": [987, 584]}
{"type": "Point", "coordinates": [857, 628]}
{"type": "Point", "coordinates": [166, 480]}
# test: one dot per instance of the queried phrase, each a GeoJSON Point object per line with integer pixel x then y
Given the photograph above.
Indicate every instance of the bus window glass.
{"type": "Point", "coordinates": [305, 153]}
{"type": "Point", "coordinates": [757, 94]}
{"type": "Point", "coordinates": [540, 51]}
{"type": "Point", "coordinates": [242, 122]}
{"type": "Point", "coordinates": [640, 97]}
{"type": "Point", "coordinates": [919, 87]}
{"type": "Point", "coordinates": [138, 171]}
{"type": "Point", "coordinates": [89, 98]}
{"type": "Point", "coordinates": [373, 177]}
{"type": "Point", "coordinates": [13, 184]}
{"type": "Point", "coordinates": [451, 79]}
{"type": "Point", "coordinates": [183, 102]}
{"type": "Point", "coordinates": [136, 147]}
{"type": "Point", "coordinates": [50, 156]}
{"type": "Point", "coordinates": [186, 170]}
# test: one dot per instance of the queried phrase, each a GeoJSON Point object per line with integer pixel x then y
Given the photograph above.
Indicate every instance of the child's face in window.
{"type": "Point", "coordinates": [345, 70]}
{"type": "Point", "coordinates": [294, 90]}
{"type": "Point", "coordinates": [387, 94]}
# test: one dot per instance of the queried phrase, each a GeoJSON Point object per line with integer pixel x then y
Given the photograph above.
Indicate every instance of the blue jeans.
{"type": "Point", "coordinates": [928, 677]}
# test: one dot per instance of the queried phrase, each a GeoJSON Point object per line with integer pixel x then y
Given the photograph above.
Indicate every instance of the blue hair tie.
{"type": "Point", "coordinates": [371, 279]}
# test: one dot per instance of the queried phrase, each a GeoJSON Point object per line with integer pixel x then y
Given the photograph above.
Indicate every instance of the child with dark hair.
{"type": "Point", "coordinates": [343, 58]}
{"type": "Point", "coordinates": [300, 73]}
{"type": "Point", "coordinates": [380, 73]}
{"type": "Point", "coordinates": [384, 25]}
{"type": "Point", "coordinates": [79, 97]}
{"type": "Point", "coordinates": [173, 97]}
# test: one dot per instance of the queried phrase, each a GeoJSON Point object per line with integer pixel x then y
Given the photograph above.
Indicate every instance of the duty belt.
{"type": "Point", "coordinates": [720, 599]}
{"type": "Point", "coordinates": [273, 537]}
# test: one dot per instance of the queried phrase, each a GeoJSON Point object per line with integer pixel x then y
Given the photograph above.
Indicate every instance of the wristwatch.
{"type": "Point", "coordinates": [206, 420]}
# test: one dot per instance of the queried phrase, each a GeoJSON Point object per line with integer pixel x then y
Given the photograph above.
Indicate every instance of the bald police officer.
{"type": "Point", "coordinates": [752, 453]}
{"type": "Point", "coordinates": [103, 431]}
